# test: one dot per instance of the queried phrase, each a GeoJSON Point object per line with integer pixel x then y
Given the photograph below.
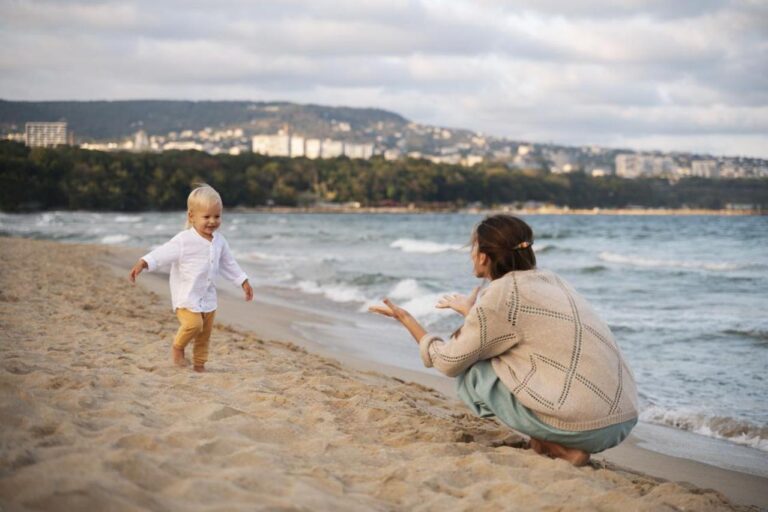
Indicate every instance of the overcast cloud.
{"type": "Point", "coordinates": [645, 74]}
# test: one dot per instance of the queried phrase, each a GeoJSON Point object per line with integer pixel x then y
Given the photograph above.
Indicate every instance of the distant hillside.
{"type": "Point", "coordinates": [98, 120]}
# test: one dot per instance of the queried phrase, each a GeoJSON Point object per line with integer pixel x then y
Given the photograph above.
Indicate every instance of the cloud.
{"type": "Point", "coordinates": [550, 70]}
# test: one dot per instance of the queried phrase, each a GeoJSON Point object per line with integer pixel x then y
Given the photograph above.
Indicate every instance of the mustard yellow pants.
{"type": "Point", "coordinates": [195, 327]}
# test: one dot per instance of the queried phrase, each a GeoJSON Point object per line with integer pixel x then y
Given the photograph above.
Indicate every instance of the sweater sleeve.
{"type": "Point", "coordinates": [486, 333]}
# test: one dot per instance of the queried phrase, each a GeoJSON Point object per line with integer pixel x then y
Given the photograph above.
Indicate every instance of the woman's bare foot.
{"type": "Point", "coordinates": [199, 368]}
{"type": "Point", "coordinates": [556, 451]}
{"type": "Point", "coordinates": [178, 357]}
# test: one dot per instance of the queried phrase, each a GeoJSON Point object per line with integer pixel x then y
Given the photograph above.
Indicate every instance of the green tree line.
{"type": "Point", "coordinates": [70, 178]}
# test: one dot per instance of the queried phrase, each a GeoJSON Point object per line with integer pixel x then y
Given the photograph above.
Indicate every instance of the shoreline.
{"type": "Point", "coordinates": [86, 378]}
{"type": "Point", "coordinates": [548, 210]}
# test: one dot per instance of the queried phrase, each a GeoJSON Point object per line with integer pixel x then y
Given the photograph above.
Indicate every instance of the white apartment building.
{"type": "Point", "coordinates": [353, 150]}
{"type": "Point", "coordinates": [631, 165]}
{"type": "Point", "coordinates": [705, 169]}
{"type": "Point", "coordinates": [45, 134]}
{"type": "Point", "coordinates": [313, 148]}
{"type": "Point", "coordinates": [297, 146]}
{"type": "Point", "coordinates": [272, 145]}
{"type": "Point", "coordinates": [332, 148]}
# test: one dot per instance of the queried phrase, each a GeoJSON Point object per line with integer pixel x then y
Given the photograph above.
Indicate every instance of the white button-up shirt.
{"type": "Point", "coordinates": [195, 263]}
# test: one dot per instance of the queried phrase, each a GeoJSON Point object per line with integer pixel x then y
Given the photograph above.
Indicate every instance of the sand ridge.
{"type": "Point", "coordinates": [93, 416]}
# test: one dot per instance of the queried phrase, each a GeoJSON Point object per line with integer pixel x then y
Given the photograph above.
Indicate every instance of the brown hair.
{"type": "Point", "coordinates": [507, 241]}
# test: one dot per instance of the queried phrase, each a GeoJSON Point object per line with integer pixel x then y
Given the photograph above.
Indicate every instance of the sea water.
{"type": "Point", "coordinates": [686, 296]}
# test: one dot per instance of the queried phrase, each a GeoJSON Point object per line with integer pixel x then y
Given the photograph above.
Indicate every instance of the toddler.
{"type": "Point", "coordinates": [196, 256]}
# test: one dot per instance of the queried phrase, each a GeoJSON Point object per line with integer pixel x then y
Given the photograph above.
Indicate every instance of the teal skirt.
{"type": "Point", "coordinates": [482, 390]}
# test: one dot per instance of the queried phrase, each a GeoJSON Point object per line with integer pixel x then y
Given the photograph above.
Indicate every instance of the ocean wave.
{"type": "Point", "coordinates": [128, 219]}
{"type": "Point", "coordinates": [50, 219]}
{"type": "Point", "coordinates": [757, 334]}
{"type": "Point", "coordinates": [648, 262]}
{"type": "Point", "coordinates": [256, 256]}
{"type": "Point", "coordinates": [406, 289]}
{"type": "Point", "coordinates": [720, 427]}
{"type": "Point", "coordinates": [115, 239]}
{"type": "Point", "coordinates": [423, 246]}
{"type": "Point", "coordinates": [594, 269]}
{"type": "Point", "coordinates": [334, 292]}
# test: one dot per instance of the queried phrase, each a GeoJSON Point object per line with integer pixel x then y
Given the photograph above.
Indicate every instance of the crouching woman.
{"type": "Point", "coordinates": [531, 351]}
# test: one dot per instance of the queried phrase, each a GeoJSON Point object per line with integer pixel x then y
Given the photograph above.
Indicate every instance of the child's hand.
{"type": "Point", "coordinates": [136, 270]}
{"type": "Point", "coordinates": [248, 291]}
{"type": "Point", "coordinates": [459, 303]}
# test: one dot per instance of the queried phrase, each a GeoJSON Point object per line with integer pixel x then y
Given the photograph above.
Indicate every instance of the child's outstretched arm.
{"type": "Point", "coordinates": [136, 270]}
{"type": "Point", "coordinates": [229, 269]}
{"type": "Point", "coordinates": [163, 255]}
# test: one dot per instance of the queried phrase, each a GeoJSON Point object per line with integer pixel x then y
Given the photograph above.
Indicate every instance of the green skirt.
{"type": "Point", "coordinates": [482, 390]}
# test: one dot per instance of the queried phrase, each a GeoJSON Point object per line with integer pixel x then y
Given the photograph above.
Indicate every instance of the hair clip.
{"type": "Point", "coordinates": [523, 245]}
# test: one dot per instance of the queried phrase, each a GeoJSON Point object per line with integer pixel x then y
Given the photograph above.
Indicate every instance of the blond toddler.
{"type": "Point", "coordinates": [197, 256]}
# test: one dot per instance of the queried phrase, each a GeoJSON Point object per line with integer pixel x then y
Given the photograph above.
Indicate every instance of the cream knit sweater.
{"type": "Point", "coordinates": [548, 347]}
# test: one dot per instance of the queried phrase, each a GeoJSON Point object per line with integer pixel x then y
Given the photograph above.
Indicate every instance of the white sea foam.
{"type": "Point", "coordinates": [655, 263]}
{"type": "Point", "coordinates": [423, 307]}
{"type": "Point", "coordinates": [406, 289]}
{"type": "Point", "coordinates": [423, 246]}
{"type": "Point", "coordinates": [702, 423]}
{"type": "Point", "coordinates": [115, 239]}
{"type": "Point", "coordinates": [334, 292]}
{"type": "Point", "coordinates": [128, 219]}
{"type": "Point", "coordinates": [261, 256]}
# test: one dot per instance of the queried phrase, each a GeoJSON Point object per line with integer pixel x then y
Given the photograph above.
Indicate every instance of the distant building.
{"type": "Point", "coordinates": [353, 150]}
{"type": "Point", "coordinates": [297, 146]}
{"type": "Point", "coordinates": [560, 161]}
{"type": "Point", "coordinates": [392, 154]}
{"type": "Point", "coordinates": [332, 148]}
{"type": "Point", "coordinates": [313, 148]}
{"type": "Point", "coordinates": [470, 160]}
{"type": "Point", "coordinates": [632, 165]}
{"type": "Point", "coordinates": [141, 141]}
{"type": "Point", "coordinates": [627, 165]}
{"type": "Point", "coordinates": [183, 145]}
{"type": "Point", "coordinates": [705, 169]}
{"type": "Point", "coordinates": [47, 134]}
{"type": "Point", "coordinates": [272, 145]}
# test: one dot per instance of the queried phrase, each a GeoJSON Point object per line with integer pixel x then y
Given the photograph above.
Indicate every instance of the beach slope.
{"type": "Point", "coordinates": [94, 417]}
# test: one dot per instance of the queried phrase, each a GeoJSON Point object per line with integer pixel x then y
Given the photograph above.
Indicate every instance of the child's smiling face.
{"type": "Point", "coordinates": [205, 219]}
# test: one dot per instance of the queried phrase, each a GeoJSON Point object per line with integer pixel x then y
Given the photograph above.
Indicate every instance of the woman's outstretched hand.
{"type": "Point", "coordinates": [392, 310]}
{"type": "Point", "coordinates": [459, 303]}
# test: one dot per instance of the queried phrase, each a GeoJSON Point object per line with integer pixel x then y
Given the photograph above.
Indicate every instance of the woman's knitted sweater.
{"type": "Point", "coordinates": [548, 346]}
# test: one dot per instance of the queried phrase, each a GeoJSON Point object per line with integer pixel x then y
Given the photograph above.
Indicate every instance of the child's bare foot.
{"type": "Point", "coordinates": [199, 368]}
{"type": "Point", "coordinates": [178, 357]}
{"type": "Point", "coordinates": [556, 451]}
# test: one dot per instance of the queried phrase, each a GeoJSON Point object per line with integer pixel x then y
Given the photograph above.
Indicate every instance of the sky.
{"type": "Point", "coordinates": [671, 75]}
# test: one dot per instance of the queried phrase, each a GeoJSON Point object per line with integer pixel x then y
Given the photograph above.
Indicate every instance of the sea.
{"type": "Point", "coordinates": [686, 296]}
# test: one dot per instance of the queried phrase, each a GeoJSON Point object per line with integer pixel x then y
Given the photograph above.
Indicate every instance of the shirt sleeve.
{"type": "Point", "coordinates": [228, 267]}
{"type": "Point", "coordinates": [486, 333]}
{"type": "Point", "coordinates": [164, 255]}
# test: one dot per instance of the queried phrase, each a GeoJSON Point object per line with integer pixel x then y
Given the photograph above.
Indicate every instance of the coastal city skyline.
{"type": "Point", "coordinates": [688, 77]}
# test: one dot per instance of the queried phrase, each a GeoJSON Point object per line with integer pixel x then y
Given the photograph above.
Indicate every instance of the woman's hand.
{"type": "Point", "coordinates": [392, 310]}
{"type": "Point", "coordinates": [459, 303]}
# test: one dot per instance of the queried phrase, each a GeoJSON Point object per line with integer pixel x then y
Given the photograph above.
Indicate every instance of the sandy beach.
{"type": "Point", "coordinates": [93, 416]}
